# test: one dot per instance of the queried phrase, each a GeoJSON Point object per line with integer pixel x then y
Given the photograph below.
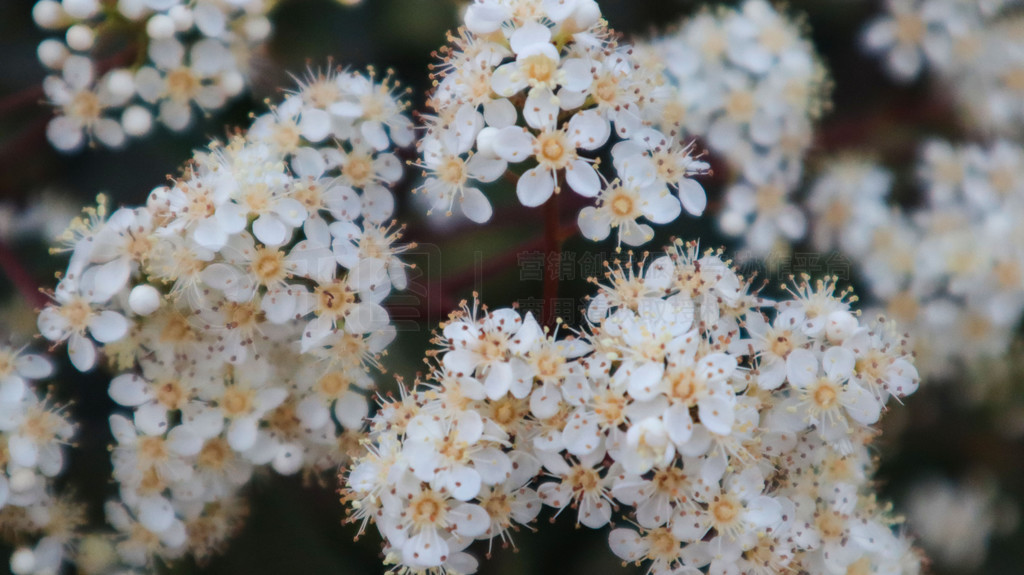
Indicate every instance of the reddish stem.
{"type": "Point", "coordinates": [18, 100]}
{"type": "Point", "coordinates": [553, 247]}
{"type": "Point", "coordinates": [19, 276]}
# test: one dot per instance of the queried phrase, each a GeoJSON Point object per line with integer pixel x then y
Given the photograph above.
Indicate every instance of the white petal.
{"type": "Point", "coordinates": [693, 197]}
{"type": "Point", "coordinates": [476, 206]}
{"type": "Point", "coordinates": [108, 326]}
{"type": "Point", "coordinates": [129, 390]}
{"type": "Point", "coordinates": [717, 414]}
{"type": "Point", "coordinates": [535, 187]}
{"type": "Point", "coordinates": [151, 419]}
{"type": "Point", "coordinates": [82, 353]}
{"type": "Point", "coordinates": [583, 179]}
{"type": "Point", "coordinates": [594, 224]}
{"type": "Point", "coordinates": [588, 130]}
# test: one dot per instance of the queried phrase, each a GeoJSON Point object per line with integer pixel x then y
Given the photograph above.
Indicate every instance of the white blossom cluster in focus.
{"type": "Point", "coordinates": [731, 433]}
{"type": "Point", "coordinates": [240, 311]}
{"type": "Point", "coordinates": [117, 68]}
{"type": "Point", "coordinates": [34, 433]}
{"type": "Point", "coordinates": [534, 92]}
{"type": "Point", "coordinates": [749, 83]}
{"type": "Point", "coordinates": [951, 271]}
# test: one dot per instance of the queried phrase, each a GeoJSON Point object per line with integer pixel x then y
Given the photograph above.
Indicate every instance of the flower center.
{"type": "Point", "coordinates": [236, 402]}
{"type": "Point", "coordinates": [553, 150]}
{"type": "Point", "coordinates": [507, 411]}
{"type": "Point", "coordinates": [6, 363]}
{"type": "Point", "coordinates": [910, 29]}
{"type": "Point", "coordinates": [724, 510]}
{"type": "Point", "coordinates": [85, 106]}
{"type": "Point", "coordinates": [243, 315]}
{"type": "Point", "coordinates": [215, 454]}
{"type": "Point", "coordinates": [333, 300]}
{"type": "Point", "coordinates": [182, 85]}
{"type": "Point", "coordinates": [453, 171]}
{"type": "Point", "coordinates": [171, 394]}
{"type": "Point", "coordinates": [606, 89]}
{"type": "Point", "coordinates": [427, 510]}
{"type": "Point", "coordinates": [268, 266]}
{"type": "Point", "coordinates": [77, 312]}
{"type": "Point", "coordinates": [332, 384]}
{"type": "Point", "coordinates": [769, 198]}
{"type": "Point", "coordinates": [176, 330]}
{"type": "Point", "coordinates": [358, 170]}
{"type": "Point", "coordinates": [538, 69]}
{"type": "Point", "coordinates": [686, 387]}
{"type": "Point", "coordinates": [622, 204]}
{"type": "Point", "coordinates": [322, 93]}
{"type": "Point", "coordinates": [286, 136]}
{"type": "Point", "coordinates": [151, 450]}
{"type": "Point", "coordinates": [257, 198]}
{"type": "Point", "coordinates": [740, 106]}
{"type": "Point", "coordinates": [825, 394]}
{"type": "Point", "coordinates": [781, 344]}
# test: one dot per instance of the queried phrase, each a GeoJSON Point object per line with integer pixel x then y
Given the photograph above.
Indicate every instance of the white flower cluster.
{"type": "Point", "coordinates": [177, 56]}
{"type": "Point", "coordinates": [941, 35]}
{"type": "Point", "coordinates": [726, 437]}
{"type": "Point", "coordinates": [544, 85]}
{"type": "Point", "coordinates": [976, 48]}
{"type": "Point", "coordinates": [750, 84]}
{"type": "Point", "coordinates": [241, 311]}
{"type": "Point", "coordinates": [33, 433]}
{"type": "Point", "coordinates": [984, 511]}
{"type": "Point", "coordinates": [951, 272]}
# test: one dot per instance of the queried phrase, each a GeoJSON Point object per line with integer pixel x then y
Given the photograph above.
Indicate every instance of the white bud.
{"type": "Point", "coordinates": [120, 84]}
{"type": "Point", "coordinates": [137, 120]}
{"type": "Point", "coordinates": [49, 14]}
{"type": "Point", "coordinates": [587, 14]}
{"type": "Point", "coordinates": [733, 223]}
{"type": "Point", "coordinates": [232, 83]}
{"type": "Point", "coordinates": [22, 480]}
{"type": "Point", "coordinates": [840, 325]}
{"type": "Point", "coordinates": [80, 37]}
{"type": "Point", "coordinates": [23, 561]}
{"type": "Point", "coordinates": [144, 299]}
{"type": "Point", "coordinates": [485, 141]}
{"type": "Point", "coordinates": [257, 29]}
{"type": "Point", "coordinates": [160, 27]}
{"type": "Point", "coordinates": [52, 53]}
{"type": "Point", "coordinates": [81, 9]}
{"type": "Point", "coordinates": [132, 9]}
{"type": "Point", "coordinates": [182, 17]}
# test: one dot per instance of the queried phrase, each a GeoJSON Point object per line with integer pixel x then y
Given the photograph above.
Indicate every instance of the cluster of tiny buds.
{"type": "Point", "coordinates": [726, 428]}
{"type": "Point", "coordinates": [240, 310]}
{"type": "Point", "coordinates": [186, 55]}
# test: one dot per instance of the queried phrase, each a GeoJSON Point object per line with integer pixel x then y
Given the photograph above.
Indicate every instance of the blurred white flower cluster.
{"type": "Point", "coordinates": [240, 310]}
{"type": "Point", "coordinates": [34, 432]}
{"type": "Point", "coordinates": [118, 66]}
{"type": "Point", "coordinates": [950, 271]}
{"type": "Point", "coordinates": [749, 83]}
{"type": "Point", "coordinates": [535, 91]}
{"type": "Point", "coordinates": [731, 431]}
{"type": "Point", "coordinates": [975, 47]}
{"type": "Point", "coordinates": [982, 512]}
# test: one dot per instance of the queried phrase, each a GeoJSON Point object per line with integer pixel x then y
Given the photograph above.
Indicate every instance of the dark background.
{"type": "Point", "coordinates": [296, 530]}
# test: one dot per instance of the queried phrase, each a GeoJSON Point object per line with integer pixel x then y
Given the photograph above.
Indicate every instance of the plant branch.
{"type": "Point", "coordinates": [19, 276]}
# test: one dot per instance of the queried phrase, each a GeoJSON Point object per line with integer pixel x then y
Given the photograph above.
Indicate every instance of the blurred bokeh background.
{"type": "Point", "coordinates": [953, 457]}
